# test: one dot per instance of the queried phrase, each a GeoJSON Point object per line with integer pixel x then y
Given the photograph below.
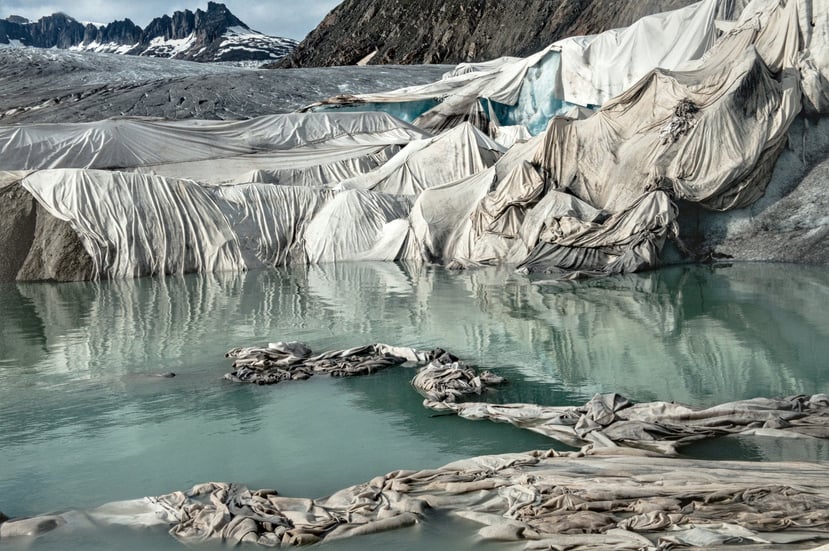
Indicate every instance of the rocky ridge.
{"type": "Point", "coordinates": [212, 35]}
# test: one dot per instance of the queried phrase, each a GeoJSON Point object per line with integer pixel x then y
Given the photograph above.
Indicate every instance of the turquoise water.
{"type": "Point", "coordinates": [83, 420]}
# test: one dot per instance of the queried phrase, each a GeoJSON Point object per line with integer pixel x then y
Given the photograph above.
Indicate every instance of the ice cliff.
{"type": "Point", "coordinates": [680, 137]}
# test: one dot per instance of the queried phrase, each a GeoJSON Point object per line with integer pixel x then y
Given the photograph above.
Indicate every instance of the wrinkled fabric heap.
{"type": "Point", "coordinates": [607, 422]}
{"type": "Point", "coordinates": [619, 491]}
{"type": "Point", "coordinates": [554, 502]}
{"type": "Point", "coordinates": [545, 500]}
{"type": "Point", "coordinates": [446, 379]}
{"type": "Point", "coordinates": [610, 421]}
{"type": "Point", "coordinates": [294, 361]}
{"type": "Point", "coordinates": [443, 376]}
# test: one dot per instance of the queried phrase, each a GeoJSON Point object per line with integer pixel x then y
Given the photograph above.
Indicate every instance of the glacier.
{"type": "Point", "coordinates": [597, 155]}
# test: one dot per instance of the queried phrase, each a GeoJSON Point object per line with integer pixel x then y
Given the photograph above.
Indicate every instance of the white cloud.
{"type": "Point", "coordinates": [289, 18]}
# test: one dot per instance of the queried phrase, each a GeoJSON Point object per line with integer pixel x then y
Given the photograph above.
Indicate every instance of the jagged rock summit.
{"type": "Point", "coordinates": [212, 35]}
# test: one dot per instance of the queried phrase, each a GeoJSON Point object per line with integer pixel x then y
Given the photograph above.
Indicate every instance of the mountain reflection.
{"type": "Point", "coordinates": [694, 334]}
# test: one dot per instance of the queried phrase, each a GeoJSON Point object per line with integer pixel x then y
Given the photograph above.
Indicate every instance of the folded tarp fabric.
{"type": "Point", "coordinates": [611, 421]}
{"type": "Point", "coordinates": [313, 165]}
{"type": "Point", "coordinates": [351, 223]}
{"type": "Point", "coordinates": [543, 500]}
{"type": "Point", "coordinates": [590, 195]}
{"type": "Point", "coordinates": [586, 71]}
{"type": "Point", "coordinates": [128, 143]}
{"type": "Point", "coordinates": [448, 157]}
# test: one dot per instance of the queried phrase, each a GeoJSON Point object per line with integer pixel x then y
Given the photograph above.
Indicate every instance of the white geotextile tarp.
{"type": "Point", "coordinates": [708, 134]}
{"type": "Point", "coordinates": [313, 165]}
{"type": "Point", "coordinates": [450, 156]}
{"type": "Point", "coordinates": [592, 194]}
{"type": "Point", "coordinates": [128, 143]}
{"type": "Point", "coordinates": [599, 67]}
{"type": "Point", "coordinates": [135, 224]}
{"type": "Point", "coordinates": [620, 56]}
{"type": "Point", "coordinates": [350, 224]}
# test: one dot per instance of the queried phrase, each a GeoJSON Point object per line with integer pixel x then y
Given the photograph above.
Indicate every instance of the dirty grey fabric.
{"type": "Point", "coordinates": [547, 500]}
{"type": "Point", "coordinates": [593, 195]}
{"type": "Point", "coordinates": [293, 361]}
{"type": "Point", "coordinates": [610, 421]}
{"type": "Point", "coordinates": [581, 502]}
{"type": "Point", "coordinates": [449, 381]}
{"type": "Point", "coordinates": [444, 376]}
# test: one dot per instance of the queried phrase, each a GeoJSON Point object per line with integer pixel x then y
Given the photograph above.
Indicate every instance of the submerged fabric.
{"type": "Point", "coordinates": [609, 421]}
{"type": "Point", "coordinates": [554, 502]}
{"type": "Point", "coordinates": [547, 500]}
{"type": "Point", "coordinates": [442, 378]}
{"type": "Point", "coordinates": [617, 492]}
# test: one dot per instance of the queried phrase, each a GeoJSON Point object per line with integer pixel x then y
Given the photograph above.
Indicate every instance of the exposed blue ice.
{"type": "Point", "coordinates": [536, 103]}
{"type": "Point", "coordinates": [406, 111]}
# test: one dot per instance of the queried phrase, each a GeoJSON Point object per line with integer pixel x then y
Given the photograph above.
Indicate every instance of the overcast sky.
{"type": "Point", "coordinates": [288, 18]}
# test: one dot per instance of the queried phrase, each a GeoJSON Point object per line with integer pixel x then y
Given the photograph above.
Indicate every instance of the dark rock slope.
{"type": "Point", "coordinates": [37, 246]}
{"type": "Point", "coordinates": [453, 31]}
{"type": "Point", "coordinates": [212, 35]}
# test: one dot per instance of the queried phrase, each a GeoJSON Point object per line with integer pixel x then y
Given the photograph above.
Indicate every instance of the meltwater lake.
{"type": "Point", "coordinates": [85, 420]}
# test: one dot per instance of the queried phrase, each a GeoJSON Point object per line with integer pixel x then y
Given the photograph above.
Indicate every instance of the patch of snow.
{"type": "Point", "coordinates": [239, 30]}
{"type": "Point", "coordinates": [238, 39]}
{"type": "Point", "coordinates": [234, 47]}
{"type": "Point", "coordinates": [13, 43]}
{"type": "Point", "coordinates": [108, 48]}
{"type": "Point", "coordinates": [169, 48]}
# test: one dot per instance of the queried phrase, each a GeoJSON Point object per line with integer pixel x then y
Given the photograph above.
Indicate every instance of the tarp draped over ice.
{"type": "Point", "coordinates": [584, 71]}
{"type": "Point", "coordinates": [135, 224]}
{"type": "Point", "coordinates": [450, 156]}
{"type": "Point", "coordinates": [595, 193]}
{"type": "Point", "coordinates": [707, 133]}
{"type": "Point", "coordinates": [127, 143]}
{"type": "Point", "coordinates": [313, 165]}
{"type": "Point", "coordinates": [141, 223]}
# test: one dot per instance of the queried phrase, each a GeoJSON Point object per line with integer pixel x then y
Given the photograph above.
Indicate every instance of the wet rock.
{"type": "Point", "coordinates": [56, 254]}
{"type": "Point", "coordinates": [17, 229]}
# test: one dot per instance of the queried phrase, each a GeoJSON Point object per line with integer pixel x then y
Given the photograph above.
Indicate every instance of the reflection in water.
{"type": "Point", "coordinates": [83, 421]}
